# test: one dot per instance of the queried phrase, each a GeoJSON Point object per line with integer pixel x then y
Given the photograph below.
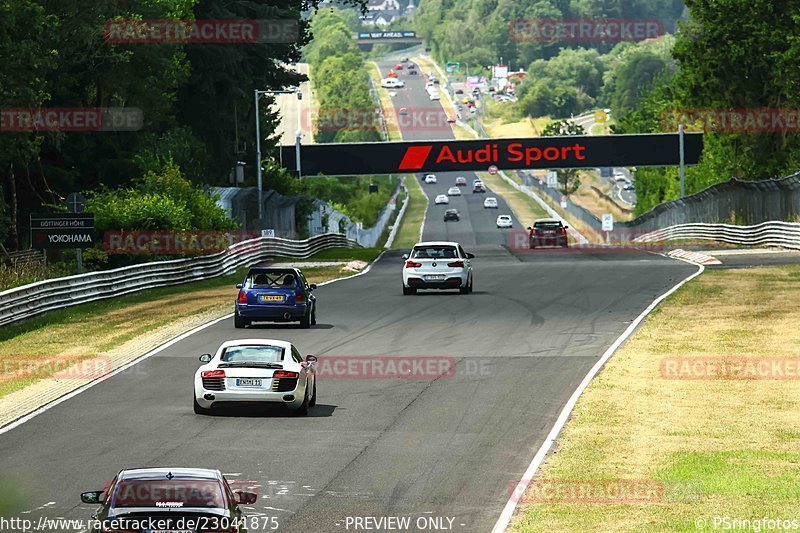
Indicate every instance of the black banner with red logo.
{"type": "Point", "coordinates": [343, 159]}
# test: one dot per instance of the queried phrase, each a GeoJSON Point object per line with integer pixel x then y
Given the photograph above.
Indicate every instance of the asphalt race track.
{"type": "Point", "coordinates": [442, 447]}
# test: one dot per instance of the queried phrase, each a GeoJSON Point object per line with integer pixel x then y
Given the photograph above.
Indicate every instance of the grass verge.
{"type": "Point", "coordinates": [386, 103]}
{"type": "Point", "coordinates": [524, 208]}
{"type": "Point", "coordinates": [408, 234]}
{"type": "Point", "coordinates": [715, 447]}
{"type": "Point", "coordinates": [39, 348]}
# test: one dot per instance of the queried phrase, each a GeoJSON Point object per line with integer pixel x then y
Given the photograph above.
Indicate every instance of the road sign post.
{"type": "Point", "coordinates": [608, 224]}
{"type": "Point", "coordinates": [77, 203]}
{"type": "Point", "coordinates": [552, 179]}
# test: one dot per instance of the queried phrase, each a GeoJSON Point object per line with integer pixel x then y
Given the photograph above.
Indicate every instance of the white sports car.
{"type": "Point", "coordinates": [504, 221]}
{"type": "Point", "coordinates": [441, 199]}
{"type": "Point", "coordinates": [430, 178]}
{"type": "Point", "coordinates": [490, 203]}
{"type": "Point", "coordinates": [453, 191]}
{"type": "Point", "coordinates": [437, 265]}
{"type": "Point", "coordinates": [247, 371]}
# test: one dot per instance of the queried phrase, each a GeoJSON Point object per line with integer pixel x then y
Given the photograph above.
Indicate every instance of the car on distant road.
{"type": "Point", "coordinates": [412, 72]}
{"type": "Point", "coordinates": [398, 67]}
{"type": "Point", "coordinates": [441, 199]}
{"type": "Point", "coordinates": [275, 295]}
{"type": "Point", "coordinates": [434, 95]}
{"type": "Point", "coordinates": [629, 187]}
{"type": "Point", "coordinates": [451, 214]}
{"type": "Point", "coordinates": [256, 372]}
{"type": "Point", "coordinates": [478, 187]}
{"type": "Point", "coordinates": [453, 191]}
{"type": "Point", "coordinates": [490, 203]}
{"type": "Point", "coordinates": [477, 180]}
{"type": "Point", "coordinates": [403, 111]}
{"type": "Point", "coordinates": [437, 265]}
{"type": "Point", "coordinates": [459, 91]}
{"type": "Point", "coordinates": [404, 60]}
{"type": "Point", "coordinates": [429, 85]}
{"type": "Point", "coordinates": [430, 178]}
{"type": "Point", "coordinates": [178, 499]}
{"type": "Point", "coordinates": [392, 83]}
{"type": "Point", "coordinates": [461, 181]}
{"type": "Point", "coordinates": [504, 221]}
{"type": "Point", "coordinates": [548, 232]}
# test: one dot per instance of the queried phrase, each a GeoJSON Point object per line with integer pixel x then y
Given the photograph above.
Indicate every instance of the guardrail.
{"type": "Point", "coordinates": [31, 300]}
{"type": "Point", "coordinates": [773, 233]}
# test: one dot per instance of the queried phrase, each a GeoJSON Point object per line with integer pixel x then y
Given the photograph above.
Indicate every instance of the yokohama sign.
{"type": "Point", "coordinates": [507, 154]}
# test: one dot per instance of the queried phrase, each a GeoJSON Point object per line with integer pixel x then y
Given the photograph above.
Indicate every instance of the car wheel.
{"type": "Point", "coordinates": [238, 321]}
{"type": "Point", "coordinates": [305, 322]}
{"type": "Point", "coordinates": [409, 290]}
{"type": "Point", "coordinates": [313, 400]}
{"type": "Point", "coordinates": [314, 315]}
{"type": "Point", "coordinates": [470, 285]}
{"type": "Point", "coordinates": [303, 409]}
{"type": "Point", "coordinates": [464, 289]}
{"type": "Point", "coordinates": [200, 410]}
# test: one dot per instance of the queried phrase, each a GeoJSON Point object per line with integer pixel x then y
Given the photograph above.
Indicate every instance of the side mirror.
{"type": "Point", "coordinates": [470, 256]}
{"type": "Point", "coordinates": [205, 358]}
{"type": "Point", "coordinates": [313, 286]}
{"type": "Point", "coordinates": [566, 227]}
{"type": "Point", "coordinates": [95, 496]}
{"type": "Point", "coordinates": [244, 497]}
{"type": "Point", "coordinates": [238, 285]}
{"type": "Point", "coordinates": [405, 256]}
{"type": "Point", "coordinates": [311, 358]}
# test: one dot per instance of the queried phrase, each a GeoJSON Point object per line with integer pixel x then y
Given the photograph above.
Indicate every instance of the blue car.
{"type": "Point", "coordinates": [275, 295]}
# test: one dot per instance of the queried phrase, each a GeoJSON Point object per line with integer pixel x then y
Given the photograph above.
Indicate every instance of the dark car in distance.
{"type": "Point", "coordinates": [451, 214]}
{"type": "Point", "coordinates": [275, 295]}
{"type": "Point", "coordinates": [169, 499]}
{"type": "Point", "coordinates": [548, 232]}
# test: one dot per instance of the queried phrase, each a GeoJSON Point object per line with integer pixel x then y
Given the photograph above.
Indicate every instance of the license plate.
{"type": "Point", "coordinates": [248, 382]}
{"type": "Point", "coordinates": [270, 298]}
{"type": "Point", "coordinates": [434, 278]}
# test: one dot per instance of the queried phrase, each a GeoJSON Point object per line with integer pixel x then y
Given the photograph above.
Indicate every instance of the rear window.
{"type": "Point", "coordinates": [264, 280]}
{"type": "Point", "coordinates": [253, 354]}
{"type": "Point", "coordinates": [434, 252]}
{"type": "Point", "coordinates": [168, 493]}
{"type": "Point", "coordinates": [547, 225]}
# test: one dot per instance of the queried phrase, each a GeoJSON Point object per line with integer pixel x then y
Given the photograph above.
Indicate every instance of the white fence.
{"type": "Point", "coordinates": [37, 298]}
{"type": "Point", "coordinates": [773, 233]}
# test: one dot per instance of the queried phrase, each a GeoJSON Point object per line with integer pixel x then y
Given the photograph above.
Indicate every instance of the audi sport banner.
{"type": "Point", "coordinates": [344, 159]}
{"type": "Point", "coordinates": [62, 230]}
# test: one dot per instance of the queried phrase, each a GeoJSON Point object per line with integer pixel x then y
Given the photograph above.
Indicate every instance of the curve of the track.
{"type": "Point", "coordinates": [447, 447]}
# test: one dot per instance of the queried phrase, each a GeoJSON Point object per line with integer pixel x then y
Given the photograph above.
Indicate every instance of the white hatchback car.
{"type": "Point", "coordinates": [441, 199]}
{"type": "Point", "coordinates": [490, 203]}
{"type": "Point", "coordinates": [453, 191]}
{"type": "Point", "coordinates": [247, 371]}
{"type": "Point", "coordinates": [504, 221]}
{"type": "Point", "coordinates": [437, 265]}
{"type": "Point", "coordinates": [430, 178]}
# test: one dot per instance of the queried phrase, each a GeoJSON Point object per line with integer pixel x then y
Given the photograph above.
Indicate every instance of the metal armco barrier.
{"type": "Point", "coordinates": [773, 233]}
{"type": "Point", "coordinates": [31, 300]}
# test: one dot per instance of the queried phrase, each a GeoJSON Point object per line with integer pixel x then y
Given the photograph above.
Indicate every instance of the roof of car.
{"type": "Point", "coordinates": [159, 473]}
{"type": "Point", "coordinates": [546, 220]}
{"type": "Point", "coordinates": [256, 270]}
{"type": "Point", "coordinates": [452, 211]}
{"type": "Point", "coordinates": [436, 243]}
{"type": "Point", "coordinates": [258, 342]}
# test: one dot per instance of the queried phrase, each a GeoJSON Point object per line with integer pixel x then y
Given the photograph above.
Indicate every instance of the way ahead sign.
{"type": "Point", "coordinates": [344, 159]}
{"type": "Point", "coordinates": [62, 230]}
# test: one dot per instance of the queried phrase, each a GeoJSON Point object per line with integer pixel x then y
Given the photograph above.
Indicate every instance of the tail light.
{"type": "Point", "coordinates": [456, 264]}
{"type": "Point", "coordinates": [412, 264]}
{"type": "Point", "coordinates": [283, 374]}
{"type": "Point", "coordinates": [242, 299]}
{"type": "Point", "coordinates": [300, 297]}
{"type": "Point", "coordinates": [212, 374]}
{"type": "Point", "coordinates": [562, 230]}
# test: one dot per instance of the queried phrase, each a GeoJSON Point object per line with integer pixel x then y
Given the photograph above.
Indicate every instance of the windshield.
{"type": "Point", "coordinates": [252, 354]}
{"type": "Point", "coordinates": [548, 225]}
{"type": "Point", "coordinates": [166, 493]}
{"type": "Point", "coordinates": [434, 252]}
{"type": "Point", "coordinates": [271, 279]}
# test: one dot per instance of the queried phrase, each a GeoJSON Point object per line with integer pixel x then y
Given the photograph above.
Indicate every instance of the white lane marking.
{"type": "Point", "coordinates": [46, 407]}
{"type": "Point", "coordinates": [521, 487]}
{"type": "Point", "coordinates": [48, 504]}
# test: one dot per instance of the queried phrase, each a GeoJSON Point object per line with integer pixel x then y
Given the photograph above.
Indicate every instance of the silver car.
{"type": "Point", "coordinates": [437, 265]}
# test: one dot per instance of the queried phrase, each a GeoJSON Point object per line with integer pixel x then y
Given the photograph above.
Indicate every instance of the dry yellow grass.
{"type": "Point", "coordinates": [386, 103]}
{"type": "Point", "coordinates": [594, 203]}
{"type": "Point", "coordinates": [525, 209]}
{"type": "Point", "coordinates": [718, 447]}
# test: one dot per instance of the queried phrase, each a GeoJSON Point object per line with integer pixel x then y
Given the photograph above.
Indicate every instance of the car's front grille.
{"type": "Point", "coordinates": [284, 384]}
{"type": "Point", "coordinates": [214, 384]}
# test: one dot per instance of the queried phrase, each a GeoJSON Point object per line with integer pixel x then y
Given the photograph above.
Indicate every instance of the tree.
{"type": "Point", "coordinates": [567, 177]}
